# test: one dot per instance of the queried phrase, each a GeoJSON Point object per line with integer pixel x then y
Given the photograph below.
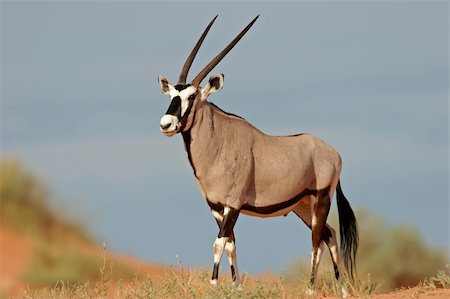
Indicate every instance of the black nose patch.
{"type": "Point", "coordinates": [175, 107]}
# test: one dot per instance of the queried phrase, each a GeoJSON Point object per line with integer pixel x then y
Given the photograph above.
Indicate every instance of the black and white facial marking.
{"type": "Point", "coordinates": [177, 118]}
{"type": "Point", "coordinates": [180, 114]}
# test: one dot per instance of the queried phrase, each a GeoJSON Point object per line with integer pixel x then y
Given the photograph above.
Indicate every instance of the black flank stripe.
{"type": "Point", "coordinates": [279, 206]}
{"type": "Point", "coordinates": [272, 208]}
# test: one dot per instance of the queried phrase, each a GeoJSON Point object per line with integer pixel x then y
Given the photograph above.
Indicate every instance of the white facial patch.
{"type": "Point", "coordinates": [170, 124]}
{"type": "Point", "coordinates": [184, 96]}
{"type": "Point", "coordinates": [184, 106]}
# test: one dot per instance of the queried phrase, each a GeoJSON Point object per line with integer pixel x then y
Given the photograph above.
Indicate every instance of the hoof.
{"type": "Point", "coordinates": [213, 282]}
{"type": "Point", "coordinates": [310, 292]}
{"type": "Point", "coordinates": [344, 293]}
{"type": "Point", "coordinates": [237, 285]}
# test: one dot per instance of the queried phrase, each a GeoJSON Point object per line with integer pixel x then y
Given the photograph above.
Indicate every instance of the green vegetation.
{"type": "Point", "coordinates": [395, 255]}
{"type": "Point", "coordinates": [25, 206]}
{"type": "Point", "coordinates": [50, 264]}
{"type": "Point", "coordinates": [389, 257]}
{"type": "Point", "coordinates": [188, 283]}
{"type": "Point", "coordinates": [183, 283]}
{"type": "Point", "coordinates": [61, 248]}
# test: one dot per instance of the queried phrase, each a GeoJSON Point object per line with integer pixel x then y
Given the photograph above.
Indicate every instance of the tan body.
{"type": "Point", "coordinates": [237, 164]}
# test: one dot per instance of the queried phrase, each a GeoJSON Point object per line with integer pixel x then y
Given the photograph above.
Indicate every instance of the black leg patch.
{"type": "Point", "coordinates": [227, 225]}
{"type": "Point", "coordinates": [215, 273]}
{"type": "Point", "coordinates": [326, 235]}
{"type": "Point", "coordinates": [336, 271]}
{"type": "Point", "coordinates": [233, 273]}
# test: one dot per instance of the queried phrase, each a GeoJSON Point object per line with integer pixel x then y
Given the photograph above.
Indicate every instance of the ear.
{"type": "Point", "coordinates": [164, 85]}
{"type": "Point", "coordinates": [215, 84]}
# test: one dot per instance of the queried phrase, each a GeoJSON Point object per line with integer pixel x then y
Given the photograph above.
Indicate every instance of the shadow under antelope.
{"type": "Point", "coordinates": [239, 169]}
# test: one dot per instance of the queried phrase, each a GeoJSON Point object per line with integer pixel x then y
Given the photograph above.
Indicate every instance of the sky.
{"type": "Point", "coordinates": [80, 106]}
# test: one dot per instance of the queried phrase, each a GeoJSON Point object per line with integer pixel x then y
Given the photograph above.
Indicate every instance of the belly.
{"type": "Point", "coordinates": [267, 214]}
{"type": "Point", "coordinates": [276, 209]}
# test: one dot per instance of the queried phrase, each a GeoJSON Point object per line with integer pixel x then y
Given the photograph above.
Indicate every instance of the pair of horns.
{"type": "Point", "coordinates": [208, 68]}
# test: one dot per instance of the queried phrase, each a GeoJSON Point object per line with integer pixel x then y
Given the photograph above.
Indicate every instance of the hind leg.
{"type": "Point", "coordinates": [320, 208]}
{"type": "Point", "coordinates": [304, 211]}
{"type": "Point", "coordinates": [314, 212]}
{"type": "Point", "coordinates": [331, 241]}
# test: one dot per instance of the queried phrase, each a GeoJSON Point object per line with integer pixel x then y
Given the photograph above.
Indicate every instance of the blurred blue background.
{"type": "Point", "coordinates": [81, 107]}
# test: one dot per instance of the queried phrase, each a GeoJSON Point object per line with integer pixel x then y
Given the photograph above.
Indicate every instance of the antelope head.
{"type": "Point", "coordinates": [185, 97]}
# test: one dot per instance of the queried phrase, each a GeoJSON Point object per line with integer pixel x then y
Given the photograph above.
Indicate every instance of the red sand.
{"type": "Point", "coordinates": [16, 251]}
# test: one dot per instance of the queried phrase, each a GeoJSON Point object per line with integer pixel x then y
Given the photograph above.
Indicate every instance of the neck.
{"type": "Point", "coordinates": [202, 140]}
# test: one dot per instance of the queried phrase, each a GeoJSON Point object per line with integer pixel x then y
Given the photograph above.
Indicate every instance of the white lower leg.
{"type": "Point", "coordinates": [230, 249]}
{"type": "Point", "coordinates": [332, 244]}
{"type": "Point", "coordinates": [315, 261]}
{"type": "Point", "coordinates": [218, 247]}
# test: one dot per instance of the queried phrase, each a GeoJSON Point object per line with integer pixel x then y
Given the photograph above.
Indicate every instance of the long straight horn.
{"type": "Point", "coordinates": [190, 59]}
{"type": "Point", "coordinates": [197, 80]}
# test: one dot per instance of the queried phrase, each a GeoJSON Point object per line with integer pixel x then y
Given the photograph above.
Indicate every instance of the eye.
{"type": "Point", "coordinates": [192, 97]}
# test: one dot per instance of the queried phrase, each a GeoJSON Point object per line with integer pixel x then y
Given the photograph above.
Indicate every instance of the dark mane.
{"type": "Point", "coordinates": [227, 113]}
{"type": "Point", "coordinates": [295, 135]}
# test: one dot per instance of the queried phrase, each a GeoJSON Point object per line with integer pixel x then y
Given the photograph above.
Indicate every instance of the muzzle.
{"type": "Point", "coordinates": [169, 125]}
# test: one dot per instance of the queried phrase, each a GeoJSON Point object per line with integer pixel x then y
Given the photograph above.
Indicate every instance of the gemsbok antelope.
{"type": "Point", "coordinates": [239, 169]}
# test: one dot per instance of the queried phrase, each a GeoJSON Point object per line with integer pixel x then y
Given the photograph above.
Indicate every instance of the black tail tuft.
{"type": "Point", "coordinates": [348, 230]}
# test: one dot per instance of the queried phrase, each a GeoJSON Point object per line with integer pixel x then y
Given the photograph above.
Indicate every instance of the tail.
{"type": "Point", "coordinates": [348, 231]}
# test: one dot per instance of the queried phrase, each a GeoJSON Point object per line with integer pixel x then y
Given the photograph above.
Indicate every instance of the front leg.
{"type": "Point", "coordinates": [230, 249]}
{"type": "Point", "coordinates": [226, 222]}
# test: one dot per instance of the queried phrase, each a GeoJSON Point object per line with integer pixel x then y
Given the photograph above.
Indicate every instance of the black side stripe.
{"type": "Point", "coordinates": [283, 205]}
{"type": "Point", "coordinates": [271, 208]}
{"type": "Point", "coordinates": [279, 206]}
